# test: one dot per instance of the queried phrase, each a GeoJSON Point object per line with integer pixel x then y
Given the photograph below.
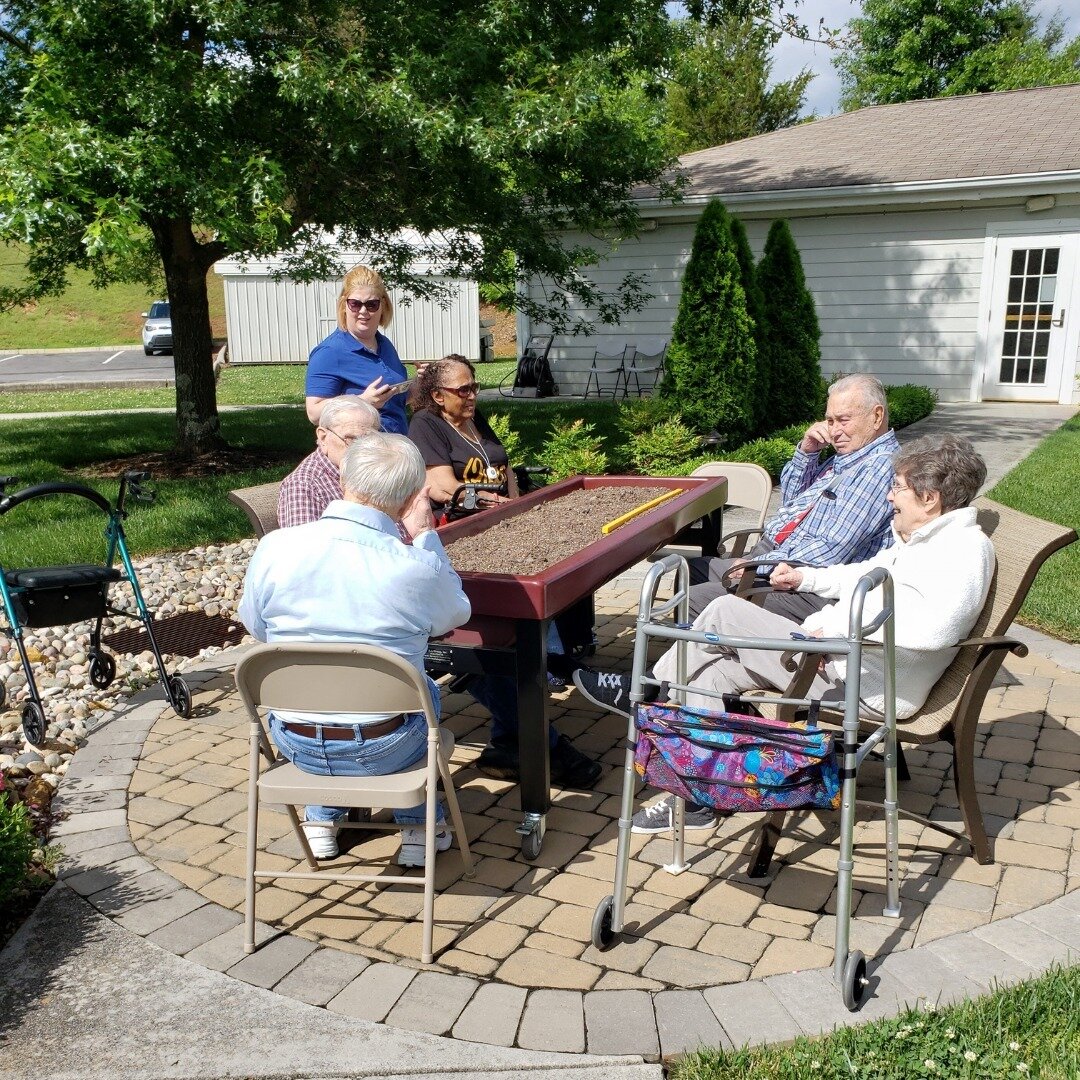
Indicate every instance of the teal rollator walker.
{"type": "Point", "coordinates": [668, 622]}
{"type": "Point", "coordinates": [61, 595]}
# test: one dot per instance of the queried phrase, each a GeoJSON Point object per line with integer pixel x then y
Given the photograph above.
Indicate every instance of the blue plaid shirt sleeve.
{"type": "Point", "coordinates": [855, 521]}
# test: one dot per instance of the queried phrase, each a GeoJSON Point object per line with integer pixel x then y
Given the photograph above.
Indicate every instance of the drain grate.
{"type": "Point", "coordinates": [186, 634]}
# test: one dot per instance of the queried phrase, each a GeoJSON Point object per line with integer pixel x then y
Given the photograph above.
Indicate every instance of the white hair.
{"type": "Point", "coordinates": [383, 470]}
{"type": "Point", "coordinates": [868, 387]}
{"type": "Point", "coordinates": [337, 407]}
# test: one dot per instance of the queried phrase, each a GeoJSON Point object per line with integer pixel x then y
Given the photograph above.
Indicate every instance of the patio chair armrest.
{"type": "Point", "coordinates": [741, 538]}
{"type": "Point", "coordinates": [1014, 645]}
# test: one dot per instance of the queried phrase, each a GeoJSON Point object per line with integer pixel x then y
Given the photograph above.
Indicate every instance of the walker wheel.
{"type": "Point", "coordinates": [602, 934]}
{"type": "Point", "coordinates": [854, 981]}
{"type": "Point", "coordinates": [33, 722]}
{"type": "Point", "coordinates": [102, 669]}
{"type": "Point", "coordinates": [179, 696]}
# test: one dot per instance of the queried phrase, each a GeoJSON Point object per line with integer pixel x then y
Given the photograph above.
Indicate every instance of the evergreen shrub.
{"type": "Point", "coordinates": [908, 403]}
{"type": "Point", "coordinates": [789, 337]}
{"type": "Point", "coordinates": [712, 360]}
{"type": "Point", "coordinates": [655, 451]}
{"type": "Point", "coordinates": [573, 449]}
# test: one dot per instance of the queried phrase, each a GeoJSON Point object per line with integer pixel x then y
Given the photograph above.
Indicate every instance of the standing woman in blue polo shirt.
{"type": "Point", "coordinates": [356, 358]}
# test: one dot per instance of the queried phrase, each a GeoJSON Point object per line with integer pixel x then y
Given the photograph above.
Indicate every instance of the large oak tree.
{"type": "Point", "coordinates": [142, 136]}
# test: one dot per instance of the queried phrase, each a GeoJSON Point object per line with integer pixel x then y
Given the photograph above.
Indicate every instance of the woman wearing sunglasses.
{"type": "Point", "coordinates": [459, 447]}
{"type": "Point", "coordinates": [356, 358]}
{"type": "Point", "coordinates": [456, 442]}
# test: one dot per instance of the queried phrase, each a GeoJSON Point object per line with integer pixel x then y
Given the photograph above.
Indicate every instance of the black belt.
{"type": "Point", "coordinates": [342, 731]}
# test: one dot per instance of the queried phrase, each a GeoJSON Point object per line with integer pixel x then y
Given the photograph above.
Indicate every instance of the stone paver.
{"type": "Point", "coordinates": [432, 1002]}
{"type": "Point", "coordinates": [684, 1022]}
{"type": "Point", "coordinates": [710, 957]}
{"type": "Point", "coordinates": [272, 961]}
{"type": "Point", "coordinates": [493, 1015]}
{"type": "Point", "coordinates": [553, 1020]}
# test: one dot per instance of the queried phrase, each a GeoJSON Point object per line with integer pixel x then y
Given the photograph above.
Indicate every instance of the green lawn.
{"type": "Point", "coordinates": [1030, 1030]}
{"type": "Point", "coordinates": [187, 513]}
{"type": "Point", "coordinates": [252, 384]}
{"type": "Point", "coordinates": [85, 317]}
{"type": "Point", "coordinates": [1045, 484]}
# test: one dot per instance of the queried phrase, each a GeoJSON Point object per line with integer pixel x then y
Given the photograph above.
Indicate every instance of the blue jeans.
{"type": "Point", "coordinates": [359, 757]}
{"type": "Point", "coordinates": [498, 694]}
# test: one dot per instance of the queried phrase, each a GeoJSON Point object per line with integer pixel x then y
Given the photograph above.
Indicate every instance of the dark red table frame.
{"type": "Point", "coordinates": [507, 634]}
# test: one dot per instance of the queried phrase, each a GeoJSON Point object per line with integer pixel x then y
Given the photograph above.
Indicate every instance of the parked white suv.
{"type": "Point", "coordinates": [157, 330]}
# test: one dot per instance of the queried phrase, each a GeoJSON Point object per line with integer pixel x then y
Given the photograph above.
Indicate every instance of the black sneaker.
{"type": "Point", "coordinates": [500, 761]}
{"type": "Point", "coordinates": [570, 767]}
{"type": "Point", "coordinates": [609, 691]}
{"type": "Point", "coordinates": [661, 817]}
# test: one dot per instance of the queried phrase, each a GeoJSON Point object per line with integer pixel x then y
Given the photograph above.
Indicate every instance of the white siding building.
{"type": "Point", "coordinates": [941, 241]}
{"type": "Point", "coordinates": [269, 321]}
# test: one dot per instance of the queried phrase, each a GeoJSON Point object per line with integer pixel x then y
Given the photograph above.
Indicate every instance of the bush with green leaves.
{"type": "Point", "coordinates": [789, 338]}
{"type": "Point", "coordinates": [771, 454]}
{"type": "Point", "coordinates": [909, 403]}
{"type": "Point", "coordinates": [16, 845]}
{"type": "Point", "coordinates": [510, 439]}
{"type": "Point", "coordinates": [656, 451]}
{"type": "Point", "coordinates": [712, 362]}
{"type": "Point", "coordinates": [572, 449]}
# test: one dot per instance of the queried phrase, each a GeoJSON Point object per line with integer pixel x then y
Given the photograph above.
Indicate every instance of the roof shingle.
{"type": "Point", "coordinates": [1000, 134]}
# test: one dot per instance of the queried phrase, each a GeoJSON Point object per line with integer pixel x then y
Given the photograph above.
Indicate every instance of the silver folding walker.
{"type": "Point", "coordinates": [849, 968]}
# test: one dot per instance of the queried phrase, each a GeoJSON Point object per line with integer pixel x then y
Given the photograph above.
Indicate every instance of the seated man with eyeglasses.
{"type": "Point", "coordinates": [316, 482]}
{"type": "Point", "coordinates": [832, 511]}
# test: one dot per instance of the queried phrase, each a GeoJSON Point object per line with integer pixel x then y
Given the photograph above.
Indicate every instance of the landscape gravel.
{"type": "Point", "coordinates": [208, 579]}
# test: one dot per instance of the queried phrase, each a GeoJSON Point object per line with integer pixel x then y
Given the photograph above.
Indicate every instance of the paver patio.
{"type": "Point", "coordinates": [710, 955]}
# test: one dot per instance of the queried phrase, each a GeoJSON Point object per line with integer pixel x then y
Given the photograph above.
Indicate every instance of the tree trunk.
{"type": "Point", "coordinates": [186, 263]}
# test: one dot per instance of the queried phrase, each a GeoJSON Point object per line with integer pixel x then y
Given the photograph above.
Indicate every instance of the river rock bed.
{"type": "Point", "coordinates": [208, 579]}
{"type": "Point", "coordinates": [529, 543]}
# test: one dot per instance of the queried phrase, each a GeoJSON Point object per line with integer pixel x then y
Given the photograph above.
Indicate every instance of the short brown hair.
{"type": "Point", "coordinates": [947, 464]}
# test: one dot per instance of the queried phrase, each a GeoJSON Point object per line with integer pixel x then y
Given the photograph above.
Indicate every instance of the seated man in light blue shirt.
{"type": "Point", "coordinates": [349, 577]}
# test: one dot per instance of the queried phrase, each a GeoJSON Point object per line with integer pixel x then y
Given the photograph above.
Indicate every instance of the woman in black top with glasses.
{"type": "Point", "coordinates": [456, 442]}
{"type": "Point", "coordinates": [356, 358]}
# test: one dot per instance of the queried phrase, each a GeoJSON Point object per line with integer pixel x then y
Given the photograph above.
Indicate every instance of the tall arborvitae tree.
{"type": "Point", "coordinates": [755, 308]}
{"type": "Point", "coordinates": [712, 360]}
{"type": "Point", "coordinates": [790, 337]}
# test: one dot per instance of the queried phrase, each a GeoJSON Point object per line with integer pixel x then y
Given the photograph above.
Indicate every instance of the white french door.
{"type": "Point", "coordinates": [1029, 333]}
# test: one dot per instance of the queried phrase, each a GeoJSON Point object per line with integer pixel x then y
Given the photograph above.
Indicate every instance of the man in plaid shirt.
{"type": "Point", "coordinates": [316, 482]}
{"type": "Point", "coordinates": [831, 512]}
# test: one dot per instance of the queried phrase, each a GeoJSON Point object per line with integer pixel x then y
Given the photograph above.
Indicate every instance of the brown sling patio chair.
{"type": "Point", "coordinates": [951, 713]}
{"type": "Point", "coordinates": [335, 678]}
{"type": "Point", "coordinates": [260, 505]}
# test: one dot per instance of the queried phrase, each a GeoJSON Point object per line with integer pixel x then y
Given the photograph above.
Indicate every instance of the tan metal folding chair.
{"type": "Point", "coordinates": [336, 678]}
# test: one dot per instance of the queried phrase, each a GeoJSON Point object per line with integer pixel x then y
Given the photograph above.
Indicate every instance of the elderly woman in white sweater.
{"type": "Point", "coordinates": [941, 563]}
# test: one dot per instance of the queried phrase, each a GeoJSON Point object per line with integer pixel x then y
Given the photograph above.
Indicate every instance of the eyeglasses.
{"type": "Point", "coordinates": [355, 306]}
{"type": "Point", "coordinates": [468, 390]}
{"type": "Point", "coordinates": [348, 440]}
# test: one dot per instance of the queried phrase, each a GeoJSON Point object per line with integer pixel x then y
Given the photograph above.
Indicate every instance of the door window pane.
{"type": "Point", "coordinates": [1025, 343]}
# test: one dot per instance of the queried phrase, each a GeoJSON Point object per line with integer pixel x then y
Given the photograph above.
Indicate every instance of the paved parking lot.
{"type": "Point", "coordinates": [62, 367]}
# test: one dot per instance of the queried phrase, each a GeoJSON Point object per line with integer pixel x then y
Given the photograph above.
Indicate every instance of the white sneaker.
{"type": "Point", "coordinates": [322, 839]}
{"type": "Point", "coordinates": [412, 845]}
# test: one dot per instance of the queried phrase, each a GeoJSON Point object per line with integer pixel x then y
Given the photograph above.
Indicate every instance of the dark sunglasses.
{"type": "Point", "coordinates": [367, 305]}
{"type": "Point", "coordinates": [468, 390]}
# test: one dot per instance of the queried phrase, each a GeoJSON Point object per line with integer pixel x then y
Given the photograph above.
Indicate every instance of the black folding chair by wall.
{"type": "Point", "coordinates": [62, 595]}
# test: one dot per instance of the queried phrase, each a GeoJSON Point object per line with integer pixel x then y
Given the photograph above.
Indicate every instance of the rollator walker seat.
{"type": "Point", "coordinates": [62, 595]}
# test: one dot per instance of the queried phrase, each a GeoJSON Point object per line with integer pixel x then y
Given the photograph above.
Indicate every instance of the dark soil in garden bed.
{"type": "Point", "coordinates": [531, 542]}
